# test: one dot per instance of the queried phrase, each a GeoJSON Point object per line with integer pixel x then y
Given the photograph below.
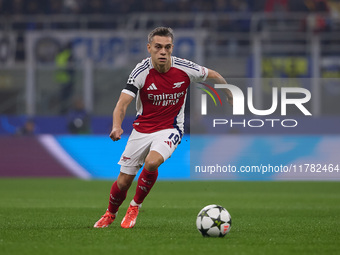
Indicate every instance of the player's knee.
{"type": "Point", "coordinates": [123, 185]}
{"type": "Point", "coordinates": [152, 164]}
{"type": "Point", "coordinates": [124, 181]}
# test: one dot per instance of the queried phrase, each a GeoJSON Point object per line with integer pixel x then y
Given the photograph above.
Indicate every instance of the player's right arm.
{"type": "Point", "coordinates": [134, 83]}
{"type": "Point", "coordinates": [119, 115]}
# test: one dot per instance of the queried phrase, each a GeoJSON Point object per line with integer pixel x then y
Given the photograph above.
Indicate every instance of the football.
{"type": "Point", "coordinates": [213, 221]}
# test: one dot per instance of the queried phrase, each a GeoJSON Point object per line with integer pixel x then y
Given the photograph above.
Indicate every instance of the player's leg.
{"type": "Point", "coordinates": [146, 180]}
{"type": "Point", "coordinates": [117, 196]}
{"type": "Point", "coordinates": [148, 176]}
{"type": "Point", "coordinates": [119, 190]}
{"type": "Point", "coordinates": [131, 160]}
{"type": "Point", "coordinates": [161, 149]}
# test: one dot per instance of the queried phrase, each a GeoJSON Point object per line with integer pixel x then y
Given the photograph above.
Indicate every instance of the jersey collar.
{"type": "Point", "coordinates": [150, 61]}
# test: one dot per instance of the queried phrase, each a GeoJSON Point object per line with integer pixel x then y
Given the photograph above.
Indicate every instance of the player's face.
{"type": "Point", "coordinates": [160, 49]}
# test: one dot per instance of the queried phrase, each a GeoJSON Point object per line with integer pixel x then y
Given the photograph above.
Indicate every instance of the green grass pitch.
{"type": "Point", "coordinates": [55, 216]}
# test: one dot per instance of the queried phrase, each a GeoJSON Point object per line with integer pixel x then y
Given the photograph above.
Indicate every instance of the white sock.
{"type": "Point", "coordinates": [133, 203]}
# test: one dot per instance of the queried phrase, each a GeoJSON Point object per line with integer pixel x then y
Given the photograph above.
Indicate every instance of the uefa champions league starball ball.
{"type": "Point", "coordinates": [213, 221]}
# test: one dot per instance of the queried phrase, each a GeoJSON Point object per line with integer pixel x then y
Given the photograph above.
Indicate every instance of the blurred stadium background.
{"type": "Point", "coordinates": [64, 63]}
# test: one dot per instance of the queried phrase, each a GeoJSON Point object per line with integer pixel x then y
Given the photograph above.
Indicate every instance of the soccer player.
{"type": "Point", "coordinates": [159, 84]}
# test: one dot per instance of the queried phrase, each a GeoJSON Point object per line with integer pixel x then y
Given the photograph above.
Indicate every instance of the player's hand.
{"type": "Point", "coordinates": [116, 133]}
{"type": "Point", "coordinates": [230, 98]}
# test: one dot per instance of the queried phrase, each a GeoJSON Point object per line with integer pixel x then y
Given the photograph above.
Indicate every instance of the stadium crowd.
{"type": "Point", "coordinates": [17, 14]}
{"type": "Point", "coordinates": [48, 7]}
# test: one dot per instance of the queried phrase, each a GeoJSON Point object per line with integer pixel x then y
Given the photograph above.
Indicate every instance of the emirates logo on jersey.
{"type": "Point", "coordinates": [165, 99]}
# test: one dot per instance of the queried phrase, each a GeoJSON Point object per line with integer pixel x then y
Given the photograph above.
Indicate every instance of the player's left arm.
{"type": "Point", "coordinates": [218, 79]}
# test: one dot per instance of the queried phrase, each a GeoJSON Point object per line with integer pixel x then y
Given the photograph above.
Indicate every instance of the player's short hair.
{"type": "Point", "coordinates": [161, 31]}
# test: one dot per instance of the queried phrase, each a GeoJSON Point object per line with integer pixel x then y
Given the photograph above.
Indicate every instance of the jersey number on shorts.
{"type": "Point", "coordinates": [174, 138]}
